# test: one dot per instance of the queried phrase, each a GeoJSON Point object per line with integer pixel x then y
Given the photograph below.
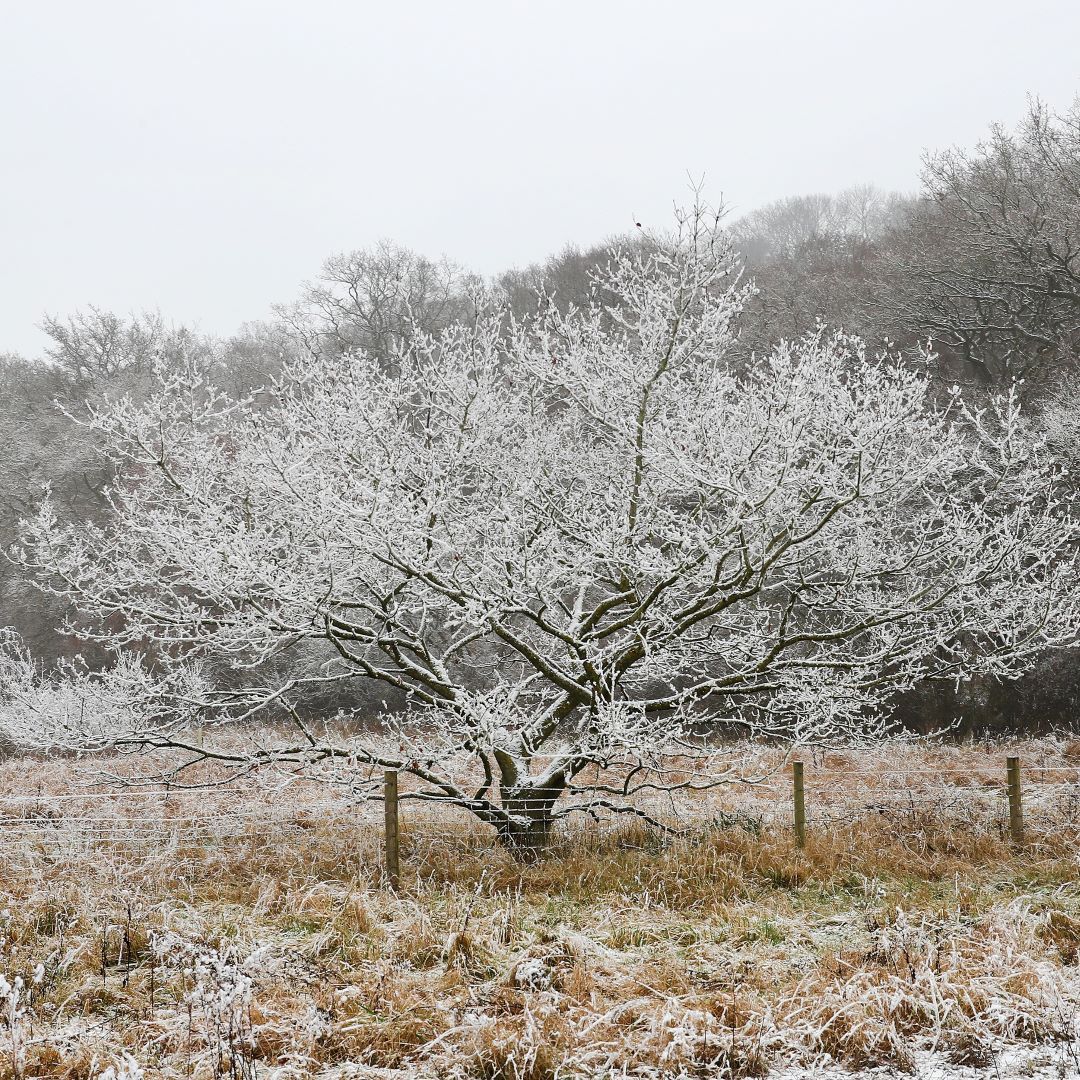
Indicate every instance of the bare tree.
{"type": "Point", "coordinates": [374, 300]}
{"type": "Point", "coordinates": [816, 259]}
{"type": "Point", "coordinates": [565, 280]}
{"type": "Point", "coordinates": [97, 347]}
{"type": "Point", "coordinates": [989, 265]}
{"type": "Point", "coordinates": [92, 354]}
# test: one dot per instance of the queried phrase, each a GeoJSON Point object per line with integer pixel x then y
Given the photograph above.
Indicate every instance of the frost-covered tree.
{"type": "Point", "coordinates": [574, 546]}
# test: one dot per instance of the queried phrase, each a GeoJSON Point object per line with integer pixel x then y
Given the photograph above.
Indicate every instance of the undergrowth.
{"type": "Point", "coordinates": [911, 926]}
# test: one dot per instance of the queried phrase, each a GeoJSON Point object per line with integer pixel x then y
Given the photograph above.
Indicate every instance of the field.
{"type": "Point", "coordinates": [247, 933]}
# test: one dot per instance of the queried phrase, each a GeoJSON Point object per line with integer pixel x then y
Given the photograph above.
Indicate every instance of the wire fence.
{"type": "Point", "coordinates": [805, 799]}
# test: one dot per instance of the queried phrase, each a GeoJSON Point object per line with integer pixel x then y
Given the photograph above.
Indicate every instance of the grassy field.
{"type": "Point", "coordinates": [245, 933]}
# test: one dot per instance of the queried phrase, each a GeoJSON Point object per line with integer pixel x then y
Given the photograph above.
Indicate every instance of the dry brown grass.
{"type": "Point", "coordinates": [908, 922]}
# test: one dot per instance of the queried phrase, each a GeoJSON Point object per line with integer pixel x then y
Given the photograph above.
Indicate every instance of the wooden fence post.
{"type": "Point", "coordinates": [390, 807]}
{"type": "Point", "coordinates": [800, 804]}
{"type": "Point", "coordinates": [1016, 809]}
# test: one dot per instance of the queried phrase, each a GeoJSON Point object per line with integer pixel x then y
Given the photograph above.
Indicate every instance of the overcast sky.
{"type": "Point", "coordinates": [204, 156]}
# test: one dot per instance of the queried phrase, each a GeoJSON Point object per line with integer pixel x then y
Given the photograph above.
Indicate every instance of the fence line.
{"type": "Point", "coordinates": [812, 804]}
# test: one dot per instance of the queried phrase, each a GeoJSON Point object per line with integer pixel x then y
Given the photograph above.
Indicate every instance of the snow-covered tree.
{"type": "Point", "coordinates": [573, 546]}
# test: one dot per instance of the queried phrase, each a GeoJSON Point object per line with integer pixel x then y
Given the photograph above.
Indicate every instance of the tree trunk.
{"type": "Point", "coordinates": [526, 832]}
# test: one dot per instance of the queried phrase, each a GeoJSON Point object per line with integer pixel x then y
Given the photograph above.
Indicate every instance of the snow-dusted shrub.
{"type": "Point", "coordinates": [125, 1068]}
{"type": "Point", "coordinates": [956, 985]}
{"type": "Point", "coordinates": [72, 708]}
{"type": "Point", "coordinates": [218, 996]}
{"type": "Point", "coordinates": [15, 997]}
{"type": "Point", "coordinates": [12, 1017]}
{"type": "Point", "coordinates": [694, 1042]}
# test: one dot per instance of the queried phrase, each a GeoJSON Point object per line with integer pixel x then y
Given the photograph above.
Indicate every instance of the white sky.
{"type": "Point", "coordinates": [204, 156]}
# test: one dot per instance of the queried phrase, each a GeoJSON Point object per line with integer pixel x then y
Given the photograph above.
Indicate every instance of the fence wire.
{"type": "Point", "coordinates": [174, 820]}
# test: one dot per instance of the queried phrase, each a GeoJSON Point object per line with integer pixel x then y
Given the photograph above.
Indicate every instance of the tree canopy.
{"type": "Point", "coordinates": [568, 541]}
